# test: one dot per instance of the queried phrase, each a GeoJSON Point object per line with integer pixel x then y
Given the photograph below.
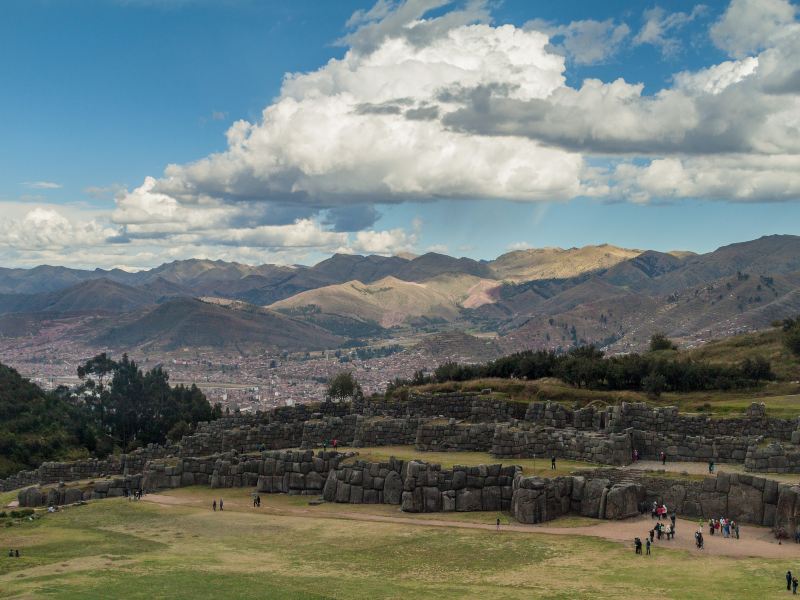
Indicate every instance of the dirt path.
{"type": "Point", "coordinates": [754, 542]}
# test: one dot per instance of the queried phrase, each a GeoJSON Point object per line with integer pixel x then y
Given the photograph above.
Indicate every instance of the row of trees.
{"type": "Point", "coordinates": [588, 367]}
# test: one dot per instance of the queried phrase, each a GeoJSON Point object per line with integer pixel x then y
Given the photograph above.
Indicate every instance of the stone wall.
{"type": "Point", "coordinates": [776, 457]}
{"type": "Point", "coordinates": [385, 431]}
{"type": "Point", "coordinates": [523, 440]}
{"type": "Point", "coordinates": [429, 488]}
{"type": "Point", "coordinates": [286, 471]}
{"type": "Point", "coordinates": [611, 494]}
{"type": "Point", "coordinates": [452, 436]}
{"type": "Point", "coordinates": [54, 472]}
{"type": "Point", "coordinates": [61, 494]}
{"type": "Point", "coordinates": [366, 483]}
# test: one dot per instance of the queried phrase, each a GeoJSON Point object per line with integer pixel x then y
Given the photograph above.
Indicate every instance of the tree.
{"type": "Point", "coordinates": [344, 385]}
{"type": "Point", "coordinates": [660, 341]}
{"type": "Point", "coordinates": [654, 384]}
{"type": "Point", "coordinates": [791, 335]}
{"type": "Point", "coordinates": [757, 369]}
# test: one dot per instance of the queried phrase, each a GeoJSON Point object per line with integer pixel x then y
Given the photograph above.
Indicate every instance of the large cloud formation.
{"type": "Point", "coordinates": [424, 107]}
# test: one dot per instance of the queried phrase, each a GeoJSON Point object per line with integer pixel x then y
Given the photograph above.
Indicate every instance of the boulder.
{"type": "Point", "coordinates": [468, 500]}
{"type": "Point", "coordinates": [622, 501]}
{"type": "Point", "coordinates": [592, 495]}
{"type": "Point", "coordinates": [392, 488]}
{"type": "Point", "coordinates": [745, 503]}
{"type": "Point", "coordinates": [329, 491]}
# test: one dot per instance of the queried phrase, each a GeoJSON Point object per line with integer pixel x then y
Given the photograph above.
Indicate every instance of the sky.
{"type": "Point", "coordinates": [136, 132]}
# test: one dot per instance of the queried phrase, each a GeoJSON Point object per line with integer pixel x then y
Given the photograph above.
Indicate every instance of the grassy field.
{"type": "Point", "coordinates": [114, 548]}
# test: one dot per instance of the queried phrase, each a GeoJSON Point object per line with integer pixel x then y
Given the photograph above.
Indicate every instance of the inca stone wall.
{"type": "Point", "coordinates": [471, 421]}
{"type": "Point", "coordinates": [366, 483]}
{"type": "Point", "coordinates": [429, 488]}
{"type": "Point", "coordinates": [61, 494]}
{"type": "Point", "coordinates": [436, 436]}
{"type": "Point", "coordinates": [385, 431]}
{"type": "Point", "coordinates": [286, 471]}
{"type": "Point", "coordinates": [54, 472]}
{"type": "Point", "coordinates": [524, 440]}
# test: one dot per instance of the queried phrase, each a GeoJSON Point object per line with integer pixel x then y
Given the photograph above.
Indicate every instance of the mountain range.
{"type": "Point", "coordinates": [548, 297]}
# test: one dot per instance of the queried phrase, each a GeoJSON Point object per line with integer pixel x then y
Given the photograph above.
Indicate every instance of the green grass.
{"type": "Point", "coordinates": [114, 548]}
{"type": "Point", "coordinates": [540, 466]}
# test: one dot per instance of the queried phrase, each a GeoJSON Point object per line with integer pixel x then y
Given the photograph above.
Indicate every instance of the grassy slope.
{"type": "Point", "coordinates": [115, 548]}
{"type": "Point", "coordinates": [782, 398]}
{"type": "Point", "coordinates": [735, 349]}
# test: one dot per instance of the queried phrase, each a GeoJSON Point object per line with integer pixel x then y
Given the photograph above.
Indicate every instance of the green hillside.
{"type": "Point", "coordinates": [733, 350]}
{"type": "Point", "coordinates": [36, 426]}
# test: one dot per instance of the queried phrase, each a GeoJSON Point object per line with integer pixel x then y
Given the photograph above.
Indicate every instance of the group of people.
{"type": "Point", "coordinates": [726, 527]}
{"type": "Point", "coordinates": [659, 511]}
{"type": "Point", "coordinates": [791, 582]}
{"type": "Point", "coordinates": [256, 501]}
{"type": "Point", "coordinates": [334, 444]}
{"type": "Point", "coordinates": [659, 531]}
{"type": "Point", "coordinates": [134, 494]}
{"type": "Point", "coordinates": [214, 505]}
{"type": "Point", "coordinates": [13, 553]}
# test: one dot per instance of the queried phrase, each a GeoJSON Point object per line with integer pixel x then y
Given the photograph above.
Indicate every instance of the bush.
{"type": "Point", "coordinates": [660, 341]}
{"type": "Point", "coordinates": [791, 335]}
{"type": "Point", "coordinates": [21, 513]}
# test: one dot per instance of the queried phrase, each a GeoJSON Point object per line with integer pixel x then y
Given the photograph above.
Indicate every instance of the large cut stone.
{"type": "Point", "coordinates": [392, 488]}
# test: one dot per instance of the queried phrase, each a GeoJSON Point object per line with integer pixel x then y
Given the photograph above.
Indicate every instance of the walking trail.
{"type": "Point", "coordinates": [754, 542]}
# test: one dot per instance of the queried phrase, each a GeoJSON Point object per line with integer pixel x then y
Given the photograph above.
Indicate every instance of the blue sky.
{"type": "Point", "coordinates": [98, 95]}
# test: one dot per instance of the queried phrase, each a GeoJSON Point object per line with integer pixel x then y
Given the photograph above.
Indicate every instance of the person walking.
{"type": "Point", "coordinates": [214, 505]}
{"type": "Point", "coordinates": [637, 545]}
{"type": "Point", "coordinates": [788, 580]}
{"type": "Point", "coordinates": [220, 504]}
{"type": "Point", "coordinates": [334, 443]}
{"type": "Point", "coordinates": [553, 463]}
{"type": "Point", "coordinates": [498, 523]}
{"type": "Point", "coordinates": [710, 466]}
{"type": "Point", "coordinates": [794, 585]}
{"type": "Point", "coordinates": [647, 542]}
{"type": "Point", "coordinates": [663, 458]}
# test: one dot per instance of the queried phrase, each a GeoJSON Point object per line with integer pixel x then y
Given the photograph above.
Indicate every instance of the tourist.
{"type": "Point", "coordinates": [214, 505]}
{"type": "Point", "coordinates": [648, 547]}
{"type": "Point", "coordinates": [334, 443]}
{"type": "Point", "coordinates": [11, 552]}
{"type": "Point", "coordinates": [553, 463]}
{"type": "Point", "coordinates": [498, 523]}
{"type": "Point", "coordinates": [663, 458]}
{"type": "Point", "coordinates": [794, 584]}
{"type": "Point", "coordinates": [710, 466]}
{"type": "Point", "coordinates": [654, 511]}
{"type": "Point", "coordinates": [16, 555]}
{"type": "Point", "coordinates": [259, 501]}
{"type": "Point", "coordinates": [637, 545]}
{"type": "Point", "coordinates": [736, 530]}
{"type": "Point", "coordinates": [788, 580]}
{"type": "Point", "coordinates": [652, 534]}
{"type": "Point", "coordinates": [220, 504]}
{"type": "Point", "coordinates": [255, 502]}
{"type": "Point", "coordinates": [700, 540]}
